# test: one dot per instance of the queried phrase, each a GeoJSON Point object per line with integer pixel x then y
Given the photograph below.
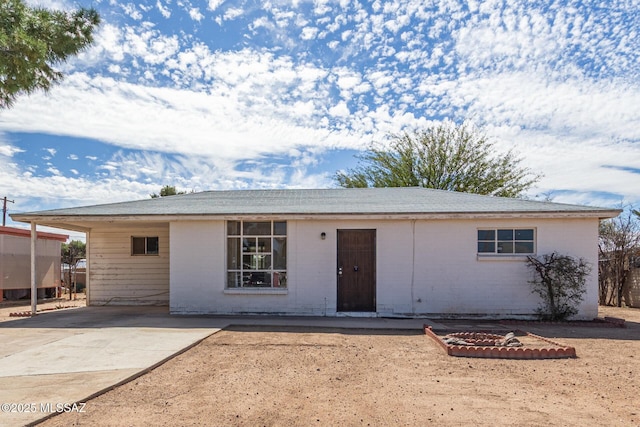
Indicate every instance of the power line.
{"type": "Point", "coordinates": [4, 209]}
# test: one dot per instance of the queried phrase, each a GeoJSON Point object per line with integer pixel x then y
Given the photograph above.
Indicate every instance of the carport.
{"type": "Point", "coordinates": [34, 234]}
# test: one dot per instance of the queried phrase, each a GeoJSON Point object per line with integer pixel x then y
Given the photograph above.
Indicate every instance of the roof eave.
{"type": "Point", "coordinates": [72, 221]}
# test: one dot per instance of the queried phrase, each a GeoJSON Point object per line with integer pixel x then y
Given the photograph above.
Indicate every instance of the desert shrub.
{"type": "Point", "coordinates": [560, 280]}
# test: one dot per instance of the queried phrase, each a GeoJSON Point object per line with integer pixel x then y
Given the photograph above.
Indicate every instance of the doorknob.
{"type": "Point", "coordinates": [340, 271]}
{"type": "Point", "coordinates": [356, 268]}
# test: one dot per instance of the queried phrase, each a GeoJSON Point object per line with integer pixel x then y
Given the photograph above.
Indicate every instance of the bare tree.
{"type": "Point", "coordinates": [619, 244]}
{"type": "Point", "coordinates": [71, 253]}
{"type": "Point", "coordinates": [560, 283]}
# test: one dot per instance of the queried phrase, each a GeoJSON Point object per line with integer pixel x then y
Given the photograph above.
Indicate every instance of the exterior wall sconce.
{"type": "Point", "coordinates": [323, 235]}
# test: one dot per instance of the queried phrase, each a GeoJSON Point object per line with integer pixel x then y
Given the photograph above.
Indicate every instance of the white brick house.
{"type": "Point", "coordinates": [382, 252]}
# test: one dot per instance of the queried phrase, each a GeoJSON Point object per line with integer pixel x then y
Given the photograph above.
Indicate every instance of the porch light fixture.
{"type": "Point", "coordinates": [323, 235]}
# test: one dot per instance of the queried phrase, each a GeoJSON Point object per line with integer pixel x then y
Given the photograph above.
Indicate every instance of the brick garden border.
{"type": "Point", "coordinates": [558, 351]}
{"type": "Point", "coordinates": [28, 313]}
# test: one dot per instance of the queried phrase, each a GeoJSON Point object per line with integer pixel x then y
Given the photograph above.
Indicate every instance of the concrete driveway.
{"type": "Point", "coordinates": [68, 356]}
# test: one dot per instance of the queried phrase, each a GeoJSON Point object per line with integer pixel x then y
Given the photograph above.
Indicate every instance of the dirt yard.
{"type": "Point", "coordinates": [24, 306]}
{"type": "Point", "coordinates": [302, 377]}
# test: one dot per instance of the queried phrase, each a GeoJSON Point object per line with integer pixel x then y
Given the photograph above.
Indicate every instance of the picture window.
{"type": "Point", "coordinates": [256, 254]}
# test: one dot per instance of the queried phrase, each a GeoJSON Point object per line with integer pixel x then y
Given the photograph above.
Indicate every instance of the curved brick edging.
{"type": "Point", "coordinates": [20, 314]}
{"type": "Point", "coordinates": [559, 351]}
{"type": "Point", "coordinates": [28, 313]}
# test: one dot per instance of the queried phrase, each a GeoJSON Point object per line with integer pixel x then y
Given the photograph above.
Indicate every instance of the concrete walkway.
{"type": "Point", "coordinates": [68, 356]}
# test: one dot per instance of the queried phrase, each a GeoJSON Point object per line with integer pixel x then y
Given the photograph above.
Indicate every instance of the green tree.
{"type": "Point", "coordinates": [167, 190]}
{"type": "Point", "coordinates": [560, 280]}
{"type": "Point", "coordinates": [445, 157]}
{"type": "Point", "coordinates": [33, 41]}
{"type": "Point", "coordinates": [72, 252]}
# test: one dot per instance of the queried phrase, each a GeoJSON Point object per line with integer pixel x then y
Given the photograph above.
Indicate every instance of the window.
{"type": "Point", "coordinates": [144, 246]}
{"type": "Point", "coordinates": [506, 241]}
{"type": "Point", "coordinates": [256, 254]}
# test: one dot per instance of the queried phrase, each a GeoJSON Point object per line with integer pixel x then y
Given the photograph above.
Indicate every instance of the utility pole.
{"type": "Point", "coordinates": [4, 209]}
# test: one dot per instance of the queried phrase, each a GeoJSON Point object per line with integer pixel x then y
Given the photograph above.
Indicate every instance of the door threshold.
{"type": "Point", "coordinates": [356, 314]}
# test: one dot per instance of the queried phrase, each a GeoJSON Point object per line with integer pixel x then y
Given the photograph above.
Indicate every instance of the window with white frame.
{"type": "Point", "coordinates": [506, 241]}
{"type": "Point", "coordinates": [256, 254]}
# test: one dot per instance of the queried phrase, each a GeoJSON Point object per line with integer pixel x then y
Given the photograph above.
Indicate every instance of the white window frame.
{"type": "Point", "coordinates": [513, 241]}
{"type": "Point", "coordinates": [255, 254]}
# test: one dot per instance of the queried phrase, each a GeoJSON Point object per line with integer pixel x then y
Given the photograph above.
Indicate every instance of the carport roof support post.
{"type": "Point", "coordinates": [34, 289]}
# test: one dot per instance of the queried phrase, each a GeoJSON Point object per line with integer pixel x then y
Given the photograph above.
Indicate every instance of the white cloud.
{"type": "Point", "coordinates": [214, 124]}
{"type": "Point", "coordinates": [541, 79]}
{"type": "Point", "coordinates": [135, 175]}
{"type": "Point", "coordinates": [53, 171]}
{"type": "Point", "coordinates": [36, 191]}
{"type": "Point", "coordinates": [163, 9]}
{"type": "Point", "coordinates": [132, 10]}
{"type": "Point", "coordinates": [9, 150]}
{"type": "Point", "coordinates": [340, 110]}
{"type": "Point", "coordinates": [114, 68]}
{"type": "Point", "coordinates": [50, 4]}
{"type": "Point", "coordinates": [321, 7]}
{"type": "Point", "coordinates": [348, 81]}
{"type": "Point", "coordinates": [214, 4]}
{"type": "Point", "coordinates": [584, 108]}
{"type": "Point", "coordinates": [571, 163]}
{"type": "Point", "coordinates": [148, 45]}
{"type": "Point", "coordinates": [232, 13]}
{"type": "Point", "coordinates": [195, 14]}
{"type": "Point", "coordinates": [106, 49]}
{"type": "Point", "coordinates": [309, 33]}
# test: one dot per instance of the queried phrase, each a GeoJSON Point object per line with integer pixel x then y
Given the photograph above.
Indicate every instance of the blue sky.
{"type": "Point", "coordinates": [219, 94]}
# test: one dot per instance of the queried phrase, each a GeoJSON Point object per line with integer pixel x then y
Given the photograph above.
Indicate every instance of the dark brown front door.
{"type": "Point", "coordinates": [356, 270]}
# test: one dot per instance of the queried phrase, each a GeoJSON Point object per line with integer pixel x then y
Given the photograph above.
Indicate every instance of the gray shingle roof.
{"type": "Point", "coordinates": [337, 201]}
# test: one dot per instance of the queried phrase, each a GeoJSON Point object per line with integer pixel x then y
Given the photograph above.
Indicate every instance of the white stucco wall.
{"type": "Point", "coordinates": [450, 278]}
{"type": "Point", "coordinates": [198, 269]}
{"type": "Point", "coordinates": [424, 267]}
{"type": "Point", "coordinates": [197, 272]}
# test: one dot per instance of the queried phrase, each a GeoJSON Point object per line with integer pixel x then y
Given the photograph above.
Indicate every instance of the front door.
{"type": "Point", "coordinates": [356, 270]}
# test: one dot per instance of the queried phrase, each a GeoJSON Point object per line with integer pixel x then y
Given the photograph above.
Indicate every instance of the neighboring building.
{"type": "Point", "coordinates": [374, 251]}
{"type": "Point", "coordinates": [15, 263]}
